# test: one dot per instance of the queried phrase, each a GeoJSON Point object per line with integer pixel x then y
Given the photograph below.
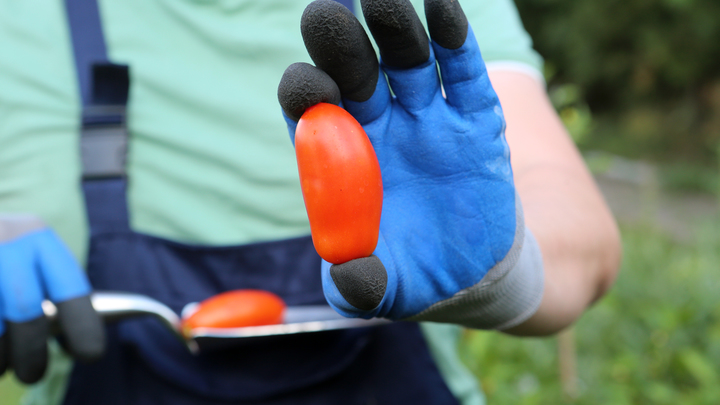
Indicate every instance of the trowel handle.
{"type": "Point", "coordinates": [115, 306]}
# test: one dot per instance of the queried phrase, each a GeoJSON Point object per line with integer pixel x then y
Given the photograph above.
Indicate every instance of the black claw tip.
{"type": "Point", "coordinates": [362, 282]}
{"type": "Point", "coordinates": [447, 23]}
{"type": "Point", "coordinates": [398, 32]}
{"type": "Point", "coordinates": [28, 349]}
{"type": "Point", "coordinates": [338, 44]}
{"type": "Point", "coordinates": [302, 86]}
{"type": "Point", "coordinates": [82, 328]}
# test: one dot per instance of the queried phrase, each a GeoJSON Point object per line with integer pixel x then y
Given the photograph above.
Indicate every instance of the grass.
{"type": "Point", "coordinates": [654, 339]}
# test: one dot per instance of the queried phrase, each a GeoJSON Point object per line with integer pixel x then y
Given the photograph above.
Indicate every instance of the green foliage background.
{"type": "Point", "coordinates": [639, 78]}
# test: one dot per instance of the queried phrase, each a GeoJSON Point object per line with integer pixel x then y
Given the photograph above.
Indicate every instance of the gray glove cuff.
{"type": "Point", "coordinates": [509, 294]}
{"type": "Point", "coordinates": [13, 226]}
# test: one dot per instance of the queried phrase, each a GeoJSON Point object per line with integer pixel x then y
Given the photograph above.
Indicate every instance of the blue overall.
{"type": "Point", "coordinates": [145, 364]}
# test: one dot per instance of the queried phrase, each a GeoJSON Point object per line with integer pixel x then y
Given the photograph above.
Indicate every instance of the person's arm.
{"type": "Point", "coordinates": [453, 242]}
{"type": "Point", "coordinates": [563, 207]}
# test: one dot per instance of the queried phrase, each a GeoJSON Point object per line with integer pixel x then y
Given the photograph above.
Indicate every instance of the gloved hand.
{"type": "Point", "coordinates": [35, 265]}
{"type": "Point", "coordinates": [452, 245]}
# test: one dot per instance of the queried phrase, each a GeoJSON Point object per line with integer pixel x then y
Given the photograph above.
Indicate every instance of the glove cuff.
{"type": "Point", "coordinates": [520, 292]}
{"type": "Point", "coordinates": [509, 294]}
{"type": "Point", "coordinates": [13, 226]}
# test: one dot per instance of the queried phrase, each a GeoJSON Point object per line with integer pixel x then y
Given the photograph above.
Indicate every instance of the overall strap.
{"type": "Point", "coordinates": [104, 90]}
{"type": "Point", "coordinates": [88, 42]}
{"type": "Point", "coordinates": [350, 4]}
{"type": "Point", "coordinates": [103, 142]}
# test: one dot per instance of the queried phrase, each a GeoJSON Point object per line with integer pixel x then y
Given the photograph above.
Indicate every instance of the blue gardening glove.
{"type": "Point", "coordinates": [452, 246]}
{"type": "Point", "coordinates": [34, 266]}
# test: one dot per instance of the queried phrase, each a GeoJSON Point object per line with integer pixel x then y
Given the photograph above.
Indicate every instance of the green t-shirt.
{"type": "Point", "coordinates": [209, 160]}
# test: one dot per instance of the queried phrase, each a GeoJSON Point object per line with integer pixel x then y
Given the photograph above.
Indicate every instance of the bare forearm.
{"type": "Point", "coordinates": [578, 241]}
{"type": "Point", "coordinates": [563, 207]}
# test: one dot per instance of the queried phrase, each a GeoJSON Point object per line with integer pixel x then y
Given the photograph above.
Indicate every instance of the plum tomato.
{"type": "Point", "coordinates": [341, 183]}
{"type": "Point", "coordinates": [236, 309]}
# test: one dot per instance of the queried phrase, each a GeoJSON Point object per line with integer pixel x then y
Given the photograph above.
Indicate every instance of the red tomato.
{"type": "Point", "coordinates": [341, 183]}
{"type": "Point", "coordinates": [235, 309]}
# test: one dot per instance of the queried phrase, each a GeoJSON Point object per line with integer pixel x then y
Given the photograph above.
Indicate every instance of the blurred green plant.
{"type": "Point", "coordinates": [574, 112]}
{"type": "Point", "coordinates": [655, 339]}
{"type": "Point", "coordinates": [649, 70]}
{"type": "Point", "coordinates": [684, 176]}
{"type": "Point", "coordinates": [10, 390]}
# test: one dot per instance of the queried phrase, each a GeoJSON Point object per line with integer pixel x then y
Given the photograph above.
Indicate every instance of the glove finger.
{"type": "Point", "coordinates": [361, 282]}
{"type": "Point", "coordinates": [22, 292]}
{"type": "Point", "coordinates": [464, 76]}
{"type": "Point", "coordinates": [446, 22]}
{"type": "Point", "coordinates": [398, 32]}
{"type": "Point", "coordinates": [28, 348]}
{"type": "Point", "coordinates": [82, 328]}
{"type": "Point", "coordinates": [22, 297]}
{"type": "Point", "coordinates": [339, 302]}
{"type": "Point", "coordinates": [302, 86]}
{"type": "Point", "coordinates": [404, 50]}
{"type": "Point", "coordinates": [61, 274]}
{"type": "Point", "coordinates": [338, 44]}
{"type": "Point", "coordinates": [362, 288]}
{"type": "Point", "coordinates": [68, 287]}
